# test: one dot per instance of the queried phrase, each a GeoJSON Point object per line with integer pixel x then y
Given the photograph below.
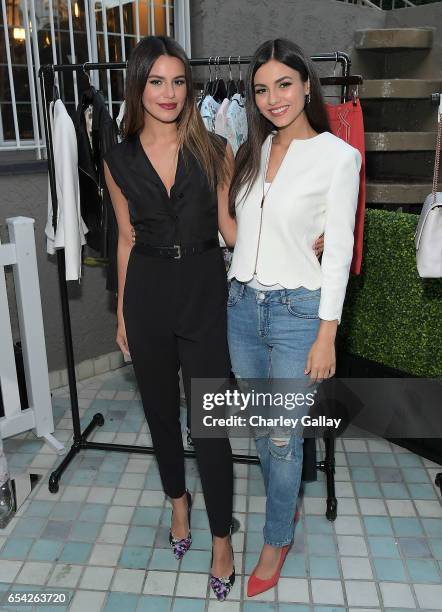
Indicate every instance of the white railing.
{"type": "Point", "coordinates": [382, 4]}
{"type": "Point", "coordinates": [21, 255]}
{"type": "Point", "coordinates": [36, 32]}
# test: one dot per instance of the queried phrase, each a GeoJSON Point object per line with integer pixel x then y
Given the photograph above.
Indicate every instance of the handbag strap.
{"type": "Point", "coordinates": [437, 157]}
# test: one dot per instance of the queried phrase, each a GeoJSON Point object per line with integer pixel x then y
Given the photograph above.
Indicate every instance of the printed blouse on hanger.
{"type": "Point", "coordinates": [236, 122]}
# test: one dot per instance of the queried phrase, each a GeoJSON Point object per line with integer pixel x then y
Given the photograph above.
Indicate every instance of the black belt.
{"type": "Point", "coordinates": [176, 251]}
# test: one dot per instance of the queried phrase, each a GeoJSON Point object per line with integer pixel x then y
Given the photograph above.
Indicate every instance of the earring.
{"type": "Point", "coordinates": [307, 98]}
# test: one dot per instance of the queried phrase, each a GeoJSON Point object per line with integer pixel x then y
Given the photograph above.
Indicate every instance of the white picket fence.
{"type": "Point", "coordinates": [20, 253]}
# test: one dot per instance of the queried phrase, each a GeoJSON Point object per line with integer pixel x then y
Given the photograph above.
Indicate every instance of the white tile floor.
{"type": "Point", "coordinates": [103, 536]}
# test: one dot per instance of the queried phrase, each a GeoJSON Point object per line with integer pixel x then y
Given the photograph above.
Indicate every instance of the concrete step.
{"type": "Point", "coordinates": [399, 115]}
{"type": "Point", "coordinates": [394, 38]}
{"type": "Point", "coordinates": [400, 141]}
{"type": "Point", "coordinates": [399, 88]}
{"type": "Point", "coordinates": [397, 193]}
{"type": "Point", "coordinates": [400, 166]}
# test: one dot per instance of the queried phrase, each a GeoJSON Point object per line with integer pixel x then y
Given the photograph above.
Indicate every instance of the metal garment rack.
{"type": "Point", "coordinates": [80, 441]}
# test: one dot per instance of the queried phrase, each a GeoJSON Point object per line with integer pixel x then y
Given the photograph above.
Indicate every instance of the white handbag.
{"type": "Point", "coordinates": [428, 236]}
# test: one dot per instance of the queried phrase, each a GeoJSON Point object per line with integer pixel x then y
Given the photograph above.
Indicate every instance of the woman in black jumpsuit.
{"type": "Point", "coordinates": [173, 301]}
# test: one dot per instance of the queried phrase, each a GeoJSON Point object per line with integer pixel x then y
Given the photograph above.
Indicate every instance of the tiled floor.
{"type": "Point", "coordinates": [103, 536]}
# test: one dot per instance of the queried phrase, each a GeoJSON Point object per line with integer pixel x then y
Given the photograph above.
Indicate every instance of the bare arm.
{"type": "Point", "coordinates": [226, 223]}
{"type": "Point", "coordinates": [121, 209]}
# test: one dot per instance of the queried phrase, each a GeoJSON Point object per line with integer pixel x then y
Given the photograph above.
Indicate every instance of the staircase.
{"type": "Point", "coordinates": [384, 5]}
{"type": "Point", "coordinates": [400, 120]}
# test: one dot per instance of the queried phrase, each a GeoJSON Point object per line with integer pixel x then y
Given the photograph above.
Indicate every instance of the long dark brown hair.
{"type": "Point", "coordinates": [248, 158]}
{"type": "Point", "coordinates": [208, 149]}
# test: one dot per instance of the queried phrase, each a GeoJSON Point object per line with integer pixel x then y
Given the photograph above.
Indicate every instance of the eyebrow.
{"type": "Point", "coordinates": [157, 76]}
{"type": "Point", "coordinates": [283, 78]}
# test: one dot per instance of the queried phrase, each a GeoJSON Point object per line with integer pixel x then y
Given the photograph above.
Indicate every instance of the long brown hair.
{"type": "Point", "coordinates": [248, 158]}
{"type": "Point", "coordinates": [208, 149]}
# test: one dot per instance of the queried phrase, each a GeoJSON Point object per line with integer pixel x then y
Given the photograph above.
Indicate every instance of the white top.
{"type": "Point", "coordinates": [71, 228]}
{"type": "Point", "coordinates": [315, 190]}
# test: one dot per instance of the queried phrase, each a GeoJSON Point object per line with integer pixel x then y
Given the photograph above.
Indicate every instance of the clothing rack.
{"type": "Point", "coordinates": [80, 441]}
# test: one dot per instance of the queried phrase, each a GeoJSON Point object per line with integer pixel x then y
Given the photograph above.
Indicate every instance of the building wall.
{"type": "Point", "coordinates": [237, 28]}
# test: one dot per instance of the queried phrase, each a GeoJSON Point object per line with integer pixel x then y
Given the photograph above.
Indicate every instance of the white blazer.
{"type": "Point", "coordinates": [315, 190]}
{"type": "Point", "coordinates": [71, 228]}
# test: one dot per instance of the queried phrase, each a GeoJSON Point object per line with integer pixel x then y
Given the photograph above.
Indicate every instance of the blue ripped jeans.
{"type": "Point", "coordinates": [270, 334]}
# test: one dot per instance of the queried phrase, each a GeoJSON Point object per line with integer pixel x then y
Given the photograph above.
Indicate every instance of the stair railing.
{"type": "Point", "coordinates": [380, 4]}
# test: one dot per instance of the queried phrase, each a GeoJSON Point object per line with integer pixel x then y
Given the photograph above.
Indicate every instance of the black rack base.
{"type": "Point", "coordinates": [327, 465]}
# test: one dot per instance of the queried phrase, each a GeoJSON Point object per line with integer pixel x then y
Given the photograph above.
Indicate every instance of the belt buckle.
{"type": "Point", "coordinates": [177, 246]}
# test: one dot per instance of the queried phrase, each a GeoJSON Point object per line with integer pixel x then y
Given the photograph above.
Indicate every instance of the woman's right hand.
{"type": "Point", "coordinates": [318, 246]}
{"type": "Point", "coordinates": [121, 336]}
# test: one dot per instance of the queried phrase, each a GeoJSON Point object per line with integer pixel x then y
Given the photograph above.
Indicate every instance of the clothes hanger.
{"type": "Point", "coordinates": [240, 83]}
{"type": "Point", "coordinates": [89, 91]}
{"type": "Point", "coordinates": [55, 92]}
{"type": "Point", "coordinates": [355, 95]}
{"type": "Point", "coordinates": [232, 87]}
{"type": "Point", "coordinates": [208, 87]}
{"type": "Point", "coordinates": [220, 89]}
{"type": "Point", "coordinates": [353, 79]}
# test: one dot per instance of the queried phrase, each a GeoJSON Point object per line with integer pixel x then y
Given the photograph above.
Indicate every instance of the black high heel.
{"type": "Point", "coordinates": [222, 586]}
{"type": "Point", "coordinates": [181, 546]}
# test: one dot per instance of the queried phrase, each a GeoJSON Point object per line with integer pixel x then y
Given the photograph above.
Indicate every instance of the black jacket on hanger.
{"type": "Point", "coordinates": [96, 205]}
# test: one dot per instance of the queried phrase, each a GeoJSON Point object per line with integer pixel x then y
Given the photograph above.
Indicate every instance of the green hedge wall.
{"type": "Point", "coordinates": [391, 315]}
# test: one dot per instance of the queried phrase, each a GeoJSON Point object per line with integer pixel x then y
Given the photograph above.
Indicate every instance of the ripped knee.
{"type": "Point", "coordinates": [280, 441]}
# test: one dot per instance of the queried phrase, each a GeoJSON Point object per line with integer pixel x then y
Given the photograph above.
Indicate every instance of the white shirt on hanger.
{"type": "Point", "coordinates": [71, 228]}
{"type": "Point", "coordinates": [220, 119]}
{"type": "Point", "coordinates": [315, 190]}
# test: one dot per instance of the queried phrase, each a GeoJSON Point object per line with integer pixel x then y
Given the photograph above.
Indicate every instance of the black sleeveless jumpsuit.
{"type": "Point", "coordinates": [175, 315]}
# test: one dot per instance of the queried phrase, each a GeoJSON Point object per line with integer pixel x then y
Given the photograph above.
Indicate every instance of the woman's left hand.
{"type": "Point", "coordinates": [321, 360]}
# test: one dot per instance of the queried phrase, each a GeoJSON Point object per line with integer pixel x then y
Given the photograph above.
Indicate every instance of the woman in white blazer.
{"type": "Point", "coordinates": [293, 181]}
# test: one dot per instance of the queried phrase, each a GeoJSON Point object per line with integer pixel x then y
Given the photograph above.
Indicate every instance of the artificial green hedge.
{"type": "Point", "coordinates": [391, 315]}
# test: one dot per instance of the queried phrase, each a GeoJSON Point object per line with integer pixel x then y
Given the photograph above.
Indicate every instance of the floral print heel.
{"type": "Point", "coordinates": [181, 546]}
{"type": "Point", "coordinates": [222, 586]}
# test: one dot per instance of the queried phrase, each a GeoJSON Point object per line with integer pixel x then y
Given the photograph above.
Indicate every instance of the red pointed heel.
{"type": "Point", "coordinates": [256, 585]}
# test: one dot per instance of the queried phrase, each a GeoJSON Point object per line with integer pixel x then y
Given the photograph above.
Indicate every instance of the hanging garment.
{"type": "Point", "coordinates": [112, 229]}
{"type": "Point", "coordinates": [236, 122]}
{"type": "Point", "coordinates": [220, 119]}
{"type": "Point", "coordinates": [119, 120]}
{"type": "Point", "coordinates": [71, 229]}
{"type": "Point", "coordinates": [208, 109]}
{"type": "Point", "coordinates": [346, 122]}
{"type": "Point", "coordinates": [96, 206]}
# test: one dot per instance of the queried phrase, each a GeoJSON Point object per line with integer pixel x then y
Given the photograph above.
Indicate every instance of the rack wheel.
{"type": "Point", "coordinates": [53, 484]}
{"type": "Point", "coordinates": [99, 419]}
{"type": "Point", "coordinates": [332, 508]}
{"type": "Point", "coordinates": [438, 481]}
